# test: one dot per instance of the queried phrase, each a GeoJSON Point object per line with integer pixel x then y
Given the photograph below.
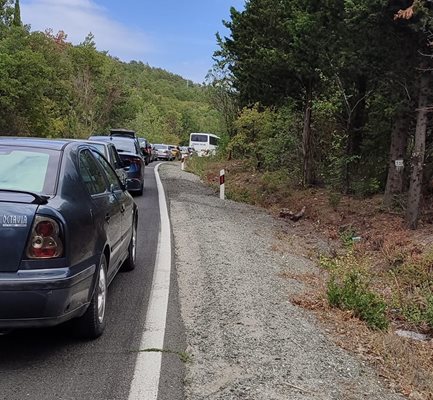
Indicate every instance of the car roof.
{"type": "Point", "coordinates": [109, 139]}
{"type": "Point", "coordinates": [42, 143]}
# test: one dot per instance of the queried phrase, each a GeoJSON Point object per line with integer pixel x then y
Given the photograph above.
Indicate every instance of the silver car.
{"type": "Point", "coordinates": [163, 152]}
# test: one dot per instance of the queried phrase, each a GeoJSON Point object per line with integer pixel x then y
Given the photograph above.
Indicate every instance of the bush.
{"type": "Point", "coordinates": [198, 165]}
{"type": "Point", "coordinates": [349, 289]}
{"type": "Point", "coordinates": [352, 293]}
{"type": "Point", "coordinates": [269, 138]}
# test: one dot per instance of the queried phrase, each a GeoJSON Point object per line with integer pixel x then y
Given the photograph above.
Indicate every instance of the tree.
{"type": "Point", "coordinates": [223, 96]}
{"type": "Point", "coordinates": [17, 14]}
{"type": "Point", "coordinates": [278, 50]}
{"type": "Point", "coordinates": [418, 153]}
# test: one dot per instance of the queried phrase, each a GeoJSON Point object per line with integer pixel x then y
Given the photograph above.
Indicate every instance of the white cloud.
{"type": "Point", "coordinates": [79, 17]}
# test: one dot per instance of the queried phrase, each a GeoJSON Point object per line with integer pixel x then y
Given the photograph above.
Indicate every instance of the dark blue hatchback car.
{"type": "Point", "coordinates": [132, 156]}
{"type": "Point", "coordinates": [67, 225]}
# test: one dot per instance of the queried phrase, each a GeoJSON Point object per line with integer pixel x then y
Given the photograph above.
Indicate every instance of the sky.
{"type": "Point", "coordinates": [176, 35]}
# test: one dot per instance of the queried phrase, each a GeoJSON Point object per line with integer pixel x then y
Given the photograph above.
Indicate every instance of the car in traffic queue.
{"type": "Point", "coordinates": [153, 153]}
{"type": "Point", "coordinates": [146, 149]}
{"type": "Point", "coordinates": [132, 159]}
{"type": "Point", "coordinates": [163, 152]}
{"type": "Point", "coordinates": [175, 151]}
{"type": "Point", "coordinates": [108, 150]}
{"type": "Point", "coordinates": [73, 225]}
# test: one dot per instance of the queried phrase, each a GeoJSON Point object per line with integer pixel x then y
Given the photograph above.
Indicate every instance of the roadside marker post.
{"type": "Point", "coordinates": [222, 184]}
{"type": "Point", "coordinates": [182, 163]}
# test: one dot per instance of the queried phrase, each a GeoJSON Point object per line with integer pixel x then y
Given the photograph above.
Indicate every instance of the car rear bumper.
{"type": "Point", "coordinates": [35, 298]}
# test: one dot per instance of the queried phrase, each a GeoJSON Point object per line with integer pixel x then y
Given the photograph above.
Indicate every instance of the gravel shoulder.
{"type": "Point", "coordinates": [245, 338]}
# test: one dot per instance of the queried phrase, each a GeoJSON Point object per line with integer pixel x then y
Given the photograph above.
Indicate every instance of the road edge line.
{"type": "Point", "coordinates": [147, 370]}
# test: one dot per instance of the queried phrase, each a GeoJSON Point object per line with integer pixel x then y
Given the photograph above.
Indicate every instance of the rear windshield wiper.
{"type": "Point", "coordinates": [38, 198]}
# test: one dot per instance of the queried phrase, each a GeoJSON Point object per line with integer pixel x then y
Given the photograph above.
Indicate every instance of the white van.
{"type": "Point", "coordinates": [204, 144]}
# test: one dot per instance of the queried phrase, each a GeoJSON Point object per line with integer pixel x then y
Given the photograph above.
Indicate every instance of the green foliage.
{"type": "Point", "coordinates": [352, 293]}
{"type": "Point", "coordinates": [413, 286]}
{"type": "Point", "coordinates": [346, 236]}
{"type": "Point", "coordinates": [49, 87]}
{"type": "Point", "coordinates": [366, 186]}
{"type": "Point", "coordinates": [269, 138]}
{"type": "Point", "coordinates": [357, 62]}
{"type": "Point", "coordinates": [334, 199]}
{"type": "Point", "coordinates": [198, 165]}
{"type": "Point", "coordinates": [17, 14]}
{"type": "Point", "coordinates": [349, 289]}
{"type": "Point", "coordinates": [274, 181]}
{"type": "Point", "coordinates": [241, 196]}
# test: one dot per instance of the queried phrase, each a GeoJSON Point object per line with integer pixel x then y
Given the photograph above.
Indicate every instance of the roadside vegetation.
{"type": "Point", "coordinates": [377, 275]}
{"type": "Point", "coordinates": [322, 105]}
{"type": "Point", "coordinates": [51, 88]}
{"type": "Point", "coordinates": [335, 116]}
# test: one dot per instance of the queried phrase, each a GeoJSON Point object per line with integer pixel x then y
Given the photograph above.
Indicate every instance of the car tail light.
{"type": "Point", "coordinates": [136, 160]}
{"type": "Point", "coordinates": [133, 160]}
{"type": "Point", "coordinates": [45, 240]}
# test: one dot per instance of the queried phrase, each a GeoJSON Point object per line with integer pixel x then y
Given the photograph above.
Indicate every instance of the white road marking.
{"type": "Point", "coordinates": [148, 365]}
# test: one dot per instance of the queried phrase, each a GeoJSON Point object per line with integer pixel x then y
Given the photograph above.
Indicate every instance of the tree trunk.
{"type": "Point", "coordinates": [414, 198]}
{"type": "Point", "coordinates": [397, 151]}
{"type": "Point", "coordinates": [307, 151]}
{"type": "Point", "coordinates": [354, 128]}
{"type": "Point", "coordinates": [359, 116]}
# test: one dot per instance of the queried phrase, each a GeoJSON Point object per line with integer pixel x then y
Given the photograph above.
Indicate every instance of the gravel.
{"type": "Point", "coordinates": [245, 338]}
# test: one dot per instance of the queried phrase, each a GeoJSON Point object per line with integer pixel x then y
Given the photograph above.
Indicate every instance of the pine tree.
{"type": "Point", "coordinates": [17, 14]}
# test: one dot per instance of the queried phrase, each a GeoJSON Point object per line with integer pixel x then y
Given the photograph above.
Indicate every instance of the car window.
{"type": "Point", "coordinates": [137, 148]}
{"type": "Point", "coordinates": [98, 146]}
{"type": "Point", "coordinates": [213, 140]}
{"type": "Point", "coordinates": [199, 138]}
{"type": "Point", "coordinates": [91, 174]}
{"type": "Point", "coordinates": [114, 157]}
{"type": "Point", "coordinates": [111, 175]}
{"type": "Point", "coordinates": [124, 144]}
{"type": "Point", "coordinates": [28, 169]}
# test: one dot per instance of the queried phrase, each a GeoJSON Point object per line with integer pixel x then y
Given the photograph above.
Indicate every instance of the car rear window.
{"type": "Point", "coordinates": [28, 169]}
{"type": "Point", "coordinates": [160, 147]}
{"type": "Point", "coordinates": [124, 145]}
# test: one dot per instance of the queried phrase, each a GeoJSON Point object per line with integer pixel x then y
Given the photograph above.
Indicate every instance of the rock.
{"type": "Point", "coordinates": [412, 335]}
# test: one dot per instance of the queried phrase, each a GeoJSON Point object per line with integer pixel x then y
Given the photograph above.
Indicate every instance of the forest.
{"type": "Point", "coordinates": [331, 93]}
{"type": "Point", "coordinates": [49, 87]}
{"type": "Point", "coordinates": [337, 93]}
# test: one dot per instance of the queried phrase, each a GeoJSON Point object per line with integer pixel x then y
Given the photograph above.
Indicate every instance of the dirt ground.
{"type": "Point", "coordinates": [335, 225]}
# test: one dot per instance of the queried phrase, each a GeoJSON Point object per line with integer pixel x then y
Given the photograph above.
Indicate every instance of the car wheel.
{"type": "Point", "coordinates": [140, 191]}
{"type": "Point", "coordinates": [92, 324]}
{"type": "Point", "coordinates": [130, 262]}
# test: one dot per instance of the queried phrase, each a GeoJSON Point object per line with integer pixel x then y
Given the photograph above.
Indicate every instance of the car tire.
{"type": "Point", "coordinates": [140, 191]}
{"type": "Point", "coordinates": [91, 324]}
{"type": "Point", "coordinates": [130, 262]}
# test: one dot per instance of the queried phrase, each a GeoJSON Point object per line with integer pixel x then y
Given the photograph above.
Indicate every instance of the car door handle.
{"type": "Point", "coordinates": [107, 217]}
{"type": "Point", "coordinates": [122, 208]}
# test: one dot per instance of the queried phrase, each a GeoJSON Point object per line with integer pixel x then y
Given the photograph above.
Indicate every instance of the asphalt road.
{"type": "Point", "coordinates": [51, 364]}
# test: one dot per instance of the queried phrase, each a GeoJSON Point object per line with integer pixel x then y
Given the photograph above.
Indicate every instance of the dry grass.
{"type": "Point", "coordinates": [399, 263]}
